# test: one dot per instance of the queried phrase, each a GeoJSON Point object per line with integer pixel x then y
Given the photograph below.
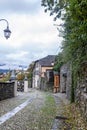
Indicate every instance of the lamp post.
{"type": "Point", "coordinates": [7, 32]}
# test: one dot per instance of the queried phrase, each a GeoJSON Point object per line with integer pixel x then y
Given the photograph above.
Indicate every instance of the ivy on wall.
{"type": "Point", "coordinates": [74, 33]}
{"type": "Point", "coordinates": [58, 62]}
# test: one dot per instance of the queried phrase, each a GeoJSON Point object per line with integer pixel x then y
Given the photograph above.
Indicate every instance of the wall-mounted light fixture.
{"type": "Point", "coordinates": [7, 32]}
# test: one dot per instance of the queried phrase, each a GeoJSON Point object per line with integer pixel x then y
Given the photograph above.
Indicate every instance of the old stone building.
{"type": "Point", "coordinates": [41, 67]}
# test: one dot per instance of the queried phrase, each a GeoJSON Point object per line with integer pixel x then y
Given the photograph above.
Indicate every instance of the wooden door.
{"type": "Point", "coordinates": [56, 81]}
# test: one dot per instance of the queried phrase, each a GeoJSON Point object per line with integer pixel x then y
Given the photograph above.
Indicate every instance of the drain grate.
{"type": "Point", "coordinates": [61, 118]}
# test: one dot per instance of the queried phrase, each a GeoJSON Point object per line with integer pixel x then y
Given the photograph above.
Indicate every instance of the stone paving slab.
{"type": "Point", "coordinates": [63, 97]}
{"type": "Point", "coordinates": [61, 101]}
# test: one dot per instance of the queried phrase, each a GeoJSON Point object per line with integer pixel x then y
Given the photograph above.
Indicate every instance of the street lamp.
{"type": "Point", "coordinates": [7, 32]}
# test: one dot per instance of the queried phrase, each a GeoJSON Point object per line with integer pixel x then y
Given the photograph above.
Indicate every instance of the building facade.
{"type": "Point", "coordinates": [40, 69]}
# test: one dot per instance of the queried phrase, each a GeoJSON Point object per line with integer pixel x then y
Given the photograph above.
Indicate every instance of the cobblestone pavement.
{"type": "Point", "coordinates": [23, 120]}
{"type": "Point", "coordinates": [9, 104]}
{"type": "Point", "coordinates": [19, 121]}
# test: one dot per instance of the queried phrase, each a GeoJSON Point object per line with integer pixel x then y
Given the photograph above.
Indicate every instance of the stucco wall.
{"type": "Point", "coordinates": [43, 70]}
{"type": "Point", "coordinates": [36, 76]}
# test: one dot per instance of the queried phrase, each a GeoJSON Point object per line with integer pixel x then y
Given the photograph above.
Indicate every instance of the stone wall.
{"type": "Point", "coordinates": [6, 90]}
{"type": "Point", "coordinates": [81, 90]}
{"type": "Point", "coordinates": [46, 85]}
{"type": "Point", "coordinates": [65, 80]}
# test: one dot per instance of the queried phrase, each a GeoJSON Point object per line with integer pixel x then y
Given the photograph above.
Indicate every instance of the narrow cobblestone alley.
{"type": "Point", "coordinates": [27, 116]}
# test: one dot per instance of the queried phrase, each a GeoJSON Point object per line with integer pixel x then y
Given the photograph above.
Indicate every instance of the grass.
{"type": "Point", "coordinates": [42, 119]}
{"type": "Point", "coordinates": [47, 113]}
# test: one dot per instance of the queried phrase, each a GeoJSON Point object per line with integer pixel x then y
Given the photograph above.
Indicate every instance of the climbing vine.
{"type": "Point", "coordinates": [58, 62]}
{"type": "Point", "coordinates": [74, 45]}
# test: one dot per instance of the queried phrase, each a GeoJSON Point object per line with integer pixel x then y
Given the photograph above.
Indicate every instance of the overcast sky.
{"type": "Point", "coordinates": [34, 35]}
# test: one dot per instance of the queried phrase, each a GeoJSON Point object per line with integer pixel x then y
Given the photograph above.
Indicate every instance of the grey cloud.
{"type": "Point", "coordinates": [6, 49]}
{"type": "Point", "coordinates": [37, 49]}
{"type": "Point", "coordinates": [19, 6]}
{"type": "Point", "coordinates": [2, 64]}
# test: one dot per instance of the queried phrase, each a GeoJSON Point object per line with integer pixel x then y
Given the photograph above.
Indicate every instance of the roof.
{"type": "Point", "coordinates": [47, 61]}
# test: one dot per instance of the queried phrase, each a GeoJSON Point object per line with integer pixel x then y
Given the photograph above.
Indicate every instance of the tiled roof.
{"type": "Point", "coordinates": [47, 61]}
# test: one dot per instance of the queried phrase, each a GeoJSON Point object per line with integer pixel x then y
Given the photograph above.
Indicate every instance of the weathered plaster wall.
{"type": "Point", "coordinates": [36, 76]}
{"type": "Point", "coordinates": [43, 70]}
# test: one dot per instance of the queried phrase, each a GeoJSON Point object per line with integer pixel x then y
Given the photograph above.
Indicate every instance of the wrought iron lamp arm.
{"type": "Point", "coordinates": [5, 21]}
